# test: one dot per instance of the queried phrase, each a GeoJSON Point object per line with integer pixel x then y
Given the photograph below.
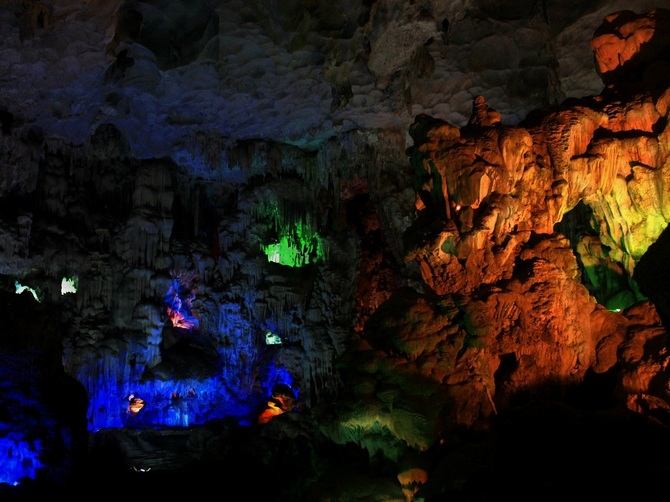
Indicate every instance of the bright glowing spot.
{"type": "Point", "coordinates": [135, 404]}
{"type": "Point", "coordinates": [273, 253]}
{"type": "Point", "coordinates": [68, 285]}
{"type": "Point", "coordinates": [20, 288]}
{"type": "Point", "coordinates": [283, 399]}
{"type": "Point", "coordinates": [272, 339]}
{"type": "Point", "coordinates": [295, 242]}
{"type": "Point", "coordinates": [297, 246]}
{"type": "Point", "coordinates": [179, 301]}
{"type": "Point", "coordinates": [178, 319]}
{"type": "Point", "coordinates": [273, 409]}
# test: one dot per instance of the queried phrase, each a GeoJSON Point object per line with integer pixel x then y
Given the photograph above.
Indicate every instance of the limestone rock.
{"type": "Point", "coordinates": [387, 211]}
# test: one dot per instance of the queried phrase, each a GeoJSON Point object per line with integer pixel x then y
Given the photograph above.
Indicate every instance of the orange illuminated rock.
{"type": "Point", "coordinates": [633, 47]}
{"type": "Point", "coordinates": [135, 404]}
{"type": "Point", "coordinates": [283, 399]}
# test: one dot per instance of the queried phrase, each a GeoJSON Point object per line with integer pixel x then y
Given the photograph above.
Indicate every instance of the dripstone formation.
{"type": "Point", "coordinates": [354, 252]}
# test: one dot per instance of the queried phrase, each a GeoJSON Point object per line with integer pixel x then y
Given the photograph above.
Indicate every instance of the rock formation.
{"type": "Point", "coordinates": [383, 251]}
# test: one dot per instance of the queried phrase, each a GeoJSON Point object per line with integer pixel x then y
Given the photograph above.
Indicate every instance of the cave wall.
{"type": "Point", "coordinates": [376, 186]}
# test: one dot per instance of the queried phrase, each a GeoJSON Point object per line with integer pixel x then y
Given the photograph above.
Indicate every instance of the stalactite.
{"type": "Point", "coordinates": [252, 270]}
{"type": "Point", "coordinates": [312, 171]}
{"type": "Point", "coordinates": [226, 240]}
{"type": "Point", "coordinates": [225, 269]}
{"type": "Point", "coordinates": [260, 310]}
{"type": "Point", "coordinates": [275, 306]}
{"type": "Point", "coordinates": [153, 353]}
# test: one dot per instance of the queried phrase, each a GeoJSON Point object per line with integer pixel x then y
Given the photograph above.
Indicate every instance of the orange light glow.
{"type": "Point", "coordinates": [135, 404]}
{"type": "Point", "coordinates": [269, 413]}
{"type": "Point", "coordinates": [179, 320]}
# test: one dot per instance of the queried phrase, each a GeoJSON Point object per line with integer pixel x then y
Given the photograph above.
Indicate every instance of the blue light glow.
{"type": "Point", "coordinates": [228, 388]}
{"type": "Point", "coordinates": [275, 376]}
{"type": "Point", "coordinates": [19, 459]}
{"type": "Point", "coordinates": [179, 300]}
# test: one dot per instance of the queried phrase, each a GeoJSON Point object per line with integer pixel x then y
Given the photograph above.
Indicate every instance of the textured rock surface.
{"type": "Point", "coordinates": [467, 202]}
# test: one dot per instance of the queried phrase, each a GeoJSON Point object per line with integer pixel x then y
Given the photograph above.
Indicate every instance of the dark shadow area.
{"type": "Point", "coordinates": [652, 274]}
{"type": "Point", "coordinates": [551, 441]}
{"type": "Point", "coordinates": [649, 64]}
{"type": "Point", "coordinates": [585, 445]}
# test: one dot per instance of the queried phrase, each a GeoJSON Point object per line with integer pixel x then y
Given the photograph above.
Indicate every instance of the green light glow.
{"type": "Point", "coordinates": [272, 339]}
{"type": "Point", "coordinates": [20, 288]}
{"type": "Point", "coordinates": [68, 285]}
{"type": "Point", "coordinates": [298, 246]}
{"type": "Point", "coordinates": [611, 288]}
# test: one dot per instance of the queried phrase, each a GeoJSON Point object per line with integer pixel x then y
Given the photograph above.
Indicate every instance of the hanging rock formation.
{"type": "Point", "coordinates": [378, 251]}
